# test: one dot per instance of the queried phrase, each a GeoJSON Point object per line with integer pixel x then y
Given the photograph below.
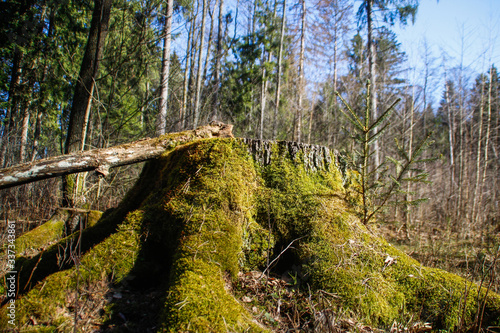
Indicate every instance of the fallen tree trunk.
{"type": "Point", "coordinates": [100, 160]}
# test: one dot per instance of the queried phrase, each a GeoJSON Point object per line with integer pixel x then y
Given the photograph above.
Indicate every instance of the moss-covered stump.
{"type": "Point", "coordinates": [168, 258]}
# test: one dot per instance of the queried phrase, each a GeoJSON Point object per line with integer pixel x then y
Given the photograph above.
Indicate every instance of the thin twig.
{"type": "Point", "coordinates": [279, 255]}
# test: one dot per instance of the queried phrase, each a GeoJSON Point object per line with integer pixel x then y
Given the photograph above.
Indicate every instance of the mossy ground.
{"type": "Point", "coordinates": [205, 212]}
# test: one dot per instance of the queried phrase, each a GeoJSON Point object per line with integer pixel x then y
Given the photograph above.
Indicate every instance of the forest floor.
{"type": "Point", "coordinates": [474, 257]}
{"type": "Point", "coordinates": [433, 244]}
{"type": "Point", "coordinates": [281, 310]}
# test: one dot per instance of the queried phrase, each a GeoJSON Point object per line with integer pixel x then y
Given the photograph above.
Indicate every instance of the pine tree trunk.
{"type": "Point", "coordinates": [24, 131]}
{"type": "Point", "coordinates": [165, 70]}
{"type": "Point", "coordinates": [42, 92]}
{"type": "Point", "coordinates": [83, 97]}
{"type": "Point", "coordinates": [187, 71]}
{"type": "Point", "coordinates": [200, 69]}
{"type": "Point", "coordinates": [218, 58]}
{"type": "Point", "coordinates": [36, 135]}
{"type": "Point", "coordinates": [12, 102]}
{"type": "Point", "coordinates": [280, 70]}
{"type": "Point", "coordinates": [301, 71]}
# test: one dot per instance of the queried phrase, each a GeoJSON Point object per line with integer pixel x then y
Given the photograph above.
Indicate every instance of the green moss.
{"type": "Point", "coordinates": [198, 301]}
{"type": "Point", "coordinates": [340, 255]}
{"type": "Point", "coordinates": [205, 211]}
{"type": "Point", "coordinates": [258, 242]}
{"type": "Point", "coordinates": [93, 217]}
{"type": "Point", "coordinates": [210, 218]}
{"type": "Point", "coordinates": [48, 304]}
{"type": "Point", "coordinates": [44, 235]}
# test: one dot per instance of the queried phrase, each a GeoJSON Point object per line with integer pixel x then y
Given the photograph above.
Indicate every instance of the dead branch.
{"type": "Point", "coordinates": [101, 160]}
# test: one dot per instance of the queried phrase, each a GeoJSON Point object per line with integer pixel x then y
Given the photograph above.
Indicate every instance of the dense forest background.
{"type": "Point", "coordinates": [270, 68]}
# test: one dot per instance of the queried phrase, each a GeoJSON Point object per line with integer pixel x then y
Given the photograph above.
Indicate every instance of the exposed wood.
{"type": "Point", "coordinates": [315, 157]}
{"type": "Point", "coordinates": [101, 160]}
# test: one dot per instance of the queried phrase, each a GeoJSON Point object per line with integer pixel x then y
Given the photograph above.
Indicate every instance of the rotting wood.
{"type": "Point", "coordinates": [101, 160]}
{"type": "Point", "coordinates": [315, 157]}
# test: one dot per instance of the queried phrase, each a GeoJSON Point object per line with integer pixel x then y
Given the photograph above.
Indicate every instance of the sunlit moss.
{"type": "Point", "coordinates": [205, 211]}
{"type": "Point", "coordinates": [47, 304]}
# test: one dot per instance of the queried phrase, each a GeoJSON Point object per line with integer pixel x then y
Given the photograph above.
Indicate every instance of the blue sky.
{"type": "Point", "coordinates": [456, 27]}
{"type": "Point", "coordinates": [457, 32]}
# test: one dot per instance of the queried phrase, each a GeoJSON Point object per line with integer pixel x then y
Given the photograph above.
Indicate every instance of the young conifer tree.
{"type": "Point", "coordinates": [378, 184]}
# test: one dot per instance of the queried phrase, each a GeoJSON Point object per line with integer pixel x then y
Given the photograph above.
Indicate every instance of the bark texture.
{"type": "Point", "coordinates": [100, 160]}
{"type": "Point", "coordinates": [315, 157]}
{"type": "Point", "coordinates": [82, 100]}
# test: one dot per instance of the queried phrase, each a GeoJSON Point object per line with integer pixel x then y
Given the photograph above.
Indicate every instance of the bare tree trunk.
{"type": "Point", "coordinates": [265, 83]}
{"type": "Point", "coordinates": [200, 69]}
{"type": "Point", "coordinates": [84, 86]}
{"type": "Point", "coordinates": [310, 122]}
{"type": "Point", "coordinates": [280, 70]}
{"type": "Point", "coordinates": [451, 131]}
{"type": "Point", "coordinates": [462, 210]}
{"type": "Point", "coordinates": [372, 56]}
{"type": "Point", "coordinates": [332, 138]}
{"type": "Point", "coordinates": [487, 139]}
{"type": "Point", "coordinates": [161, 121]}
{"type": "Point", "coordinates": [24, 131]}
{"type": "Point", "coordinates": [478, 154]}
{"type": "Point", "coordinates": [216, 103]}
{"type": "Point", "coordinates": [12, 102]}
{"type": "Point", "coordinates": [409, 151]}
{"type": "Point", "coordinates": [263, 96]}
{"type": "Point", "coordinates": [301, 71]}
{"type": "Point", "coordinates": [187, 70]}
{"type": "Point", "coordinates": [100, 160]}
{"type": "Point", "coordinates": [210, 40]}
{"type": "Point", "coordinates": [427, 75]}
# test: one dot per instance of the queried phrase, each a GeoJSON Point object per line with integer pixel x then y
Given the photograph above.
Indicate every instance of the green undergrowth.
{"type": "Point", "coordinates": [205, 212]}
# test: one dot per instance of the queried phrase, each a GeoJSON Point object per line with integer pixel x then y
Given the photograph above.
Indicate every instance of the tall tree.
{"type": "Point", "coordinates": [280, 70]}
{"type": "Point", "coordinates": [390, 11]}
{"type": "Point", "coordinates": [199, 76]}
{"type": "Point", "coordinates": [298, 117]}
{"type": "Point", "coordinates": [82, 99]}
{"type": "Point", "coordinates": [165, 70]}
{"type": "Point", "coordinates": [187, 72]}
{"type": "Point", "coordinates": [267, 54]}
{"type": "Point", "coordinates": [218, 59]}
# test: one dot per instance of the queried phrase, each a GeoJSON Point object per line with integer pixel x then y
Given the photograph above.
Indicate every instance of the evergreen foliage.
{"type": "Point", "coordinates": [379, 183]}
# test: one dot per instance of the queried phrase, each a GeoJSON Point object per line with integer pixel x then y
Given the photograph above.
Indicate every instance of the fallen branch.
{"type": "Point", "coordinates": [101, 160]}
